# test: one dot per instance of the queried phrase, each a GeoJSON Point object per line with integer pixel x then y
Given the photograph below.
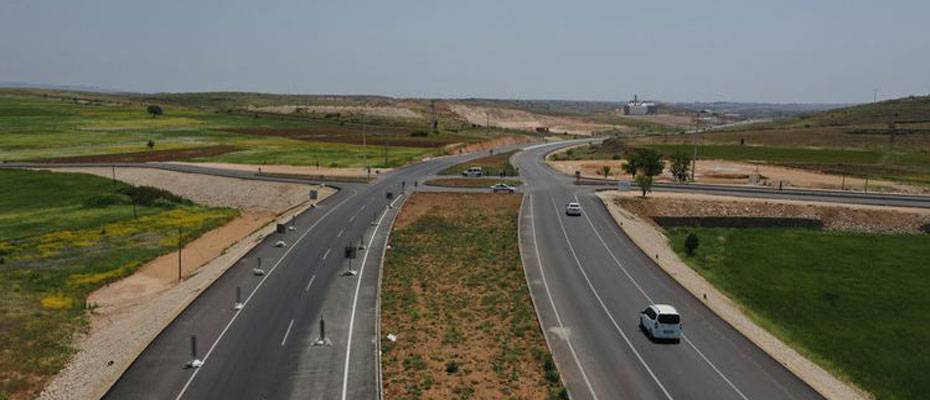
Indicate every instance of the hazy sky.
{"type": "Point", "coordinates": [781, 51]}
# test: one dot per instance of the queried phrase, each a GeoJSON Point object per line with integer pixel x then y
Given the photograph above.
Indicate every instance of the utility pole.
{"type": "Point", "coordinates": [364, 141]}
{"type": "Point", "coordinates": [875, 95]}
{"type": "Point", "coordinates": [387, 143]}
{"type": "Point", "coordinates": [487, 123]}
{"type": "Point", "coordinates": [697, 120]}
{"type": "Point", "coordinates": [179, 254]}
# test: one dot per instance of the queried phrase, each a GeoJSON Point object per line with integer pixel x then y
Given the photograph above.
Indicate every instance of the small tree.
{"type": "Point", "coordinates": [691, 243]}
{"type": "Point", "coordinates": [155, 110]}
{"type": "Point", "coordinates": [606, 170]}
{"type": "Point", "coordinates": [645, 164]}
{"type": "Point", "coordinates": [681, 166]}
{"type": "Point", "coordinates": [150, 144]}
{"type": "Point", "coordinates": [644, 182]}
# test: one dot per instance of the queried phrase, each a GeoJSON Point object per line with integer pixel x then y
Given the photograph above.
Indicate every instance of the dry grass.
{"type": "Point", "coordinates": [455, 295]}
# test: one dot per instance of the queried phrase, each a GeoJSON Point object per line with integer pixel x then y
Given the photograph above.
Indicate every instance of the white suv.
{"type": "Point", "coordinates": [661, 321]}
{"type": "Point", "coordinates": [473, 172]}
{"type": "Point", "coordinates": [573, 208]}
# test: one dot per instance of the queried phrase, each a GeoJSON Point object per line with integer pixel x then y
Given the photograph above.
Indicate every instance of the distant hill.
{"type": "Point", "coordinates": [757, 110]}
{"type": "Point", "coordinates": [907, 110]}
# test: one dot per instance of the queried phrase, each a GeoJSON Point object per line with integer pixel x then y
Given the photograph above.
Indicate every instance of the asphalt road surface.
{"type": "Point", "coordinates": [589, 283]}
{"type": "Point", "coordinates": [267, 350]}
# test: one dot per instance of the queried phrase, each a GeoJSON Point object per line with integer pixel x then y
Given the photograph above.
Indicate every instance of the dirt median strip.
{"type": "Point", "coordinates": [456, 308]}
{"type": "Point", "coordinates": [651, 241]}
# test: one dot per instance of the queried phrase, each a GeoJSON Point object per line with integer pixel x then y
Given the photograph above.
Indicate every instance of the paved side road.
{"type": "Point", "coordinates": [589, 283]}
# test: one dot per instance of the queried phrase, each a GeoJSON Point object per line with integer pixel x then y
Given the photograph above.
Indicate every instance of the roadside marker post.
{"type": "Point", "coordinates": [194, 362]}
{"type": "Point", "coordinates": [350, 252]}
{"type": "Point", "coordinates": [238, 304]}
{"type": "Point", "coordinates": [258, 271]}
{"type": "Point", "coordinates": [322, 340]}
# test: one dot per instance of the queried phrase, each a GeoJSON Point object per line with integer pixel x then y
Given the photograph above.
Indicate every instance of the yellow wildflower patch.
{"type": "Point", "coordinates": [95, 278]}
{"type": "Point", "coordinates": [57, 302]}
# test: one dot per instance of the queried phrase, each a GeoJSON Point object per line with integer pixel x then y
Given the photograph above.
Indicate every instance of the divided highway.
{"type": "Point", "coordinates": [588, 281]}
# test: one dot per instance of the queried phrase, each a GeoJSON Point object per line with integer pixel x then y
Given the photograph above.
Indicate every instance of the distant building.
{"type": "Point", "coordinates": [636, 107]}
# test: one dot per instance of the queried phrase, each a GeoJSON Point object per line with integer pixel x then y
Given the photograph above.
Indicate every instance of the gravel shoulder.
{"type": "Point", "coordinates": [651, 240]}
{"type": "Point", "coordinates": [130, 313]}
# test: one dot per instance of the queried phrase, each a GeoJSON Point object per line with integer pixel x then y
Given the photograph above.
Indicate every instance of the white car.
{"type": "Point", "coordinates": [573, 208]}
{"type": "Point", "coordinates": [473, 172]}
{"type": "Point", "coordinates": [502, 187]}
{"type": "Point", "coordinates": [661, 321]}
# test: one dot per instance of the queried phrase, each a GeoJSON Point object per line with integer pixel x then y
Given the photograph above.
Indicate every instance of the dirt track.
{"type": "Point", "coordinates": [740, 173]}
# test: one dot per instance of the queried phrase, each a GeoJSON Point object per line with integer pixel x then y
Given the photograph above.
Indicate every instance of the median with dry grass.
{"type": "Point", "coordinates": [457, 318]}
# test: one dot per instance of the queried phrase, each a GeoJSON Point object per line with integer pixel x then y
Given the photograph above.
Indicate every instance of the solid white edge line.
{"type": "Point", "coordinates": [643, 292]}
{"type": "Point", "coordinates": [358, 286]}
{"type": "Point", "coordinates": [307, 289]}
{"type": "Point", "coordinates": [287, 332]}
{"type": "Point", "coordinates": [246, 302]}
{"type": "Point", "coordinates": [604, 306]}
{"type": "Point", "coordinates": [555, 311]}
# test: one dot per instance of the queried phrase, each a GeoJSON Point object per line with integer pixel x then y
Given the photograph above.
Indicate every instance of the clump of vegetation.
{"type": "Point", "coordinates": [680, 166]}
{"type": "Point", "coordinates": [691, 244]}
{"type": "Point", "coordinates": [154, 110]}
{"type": "Point", "coordinates": [644, 164]}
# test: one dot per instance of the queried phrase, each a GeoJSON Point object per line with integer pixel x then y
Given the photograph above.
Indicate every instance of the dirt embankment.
{"type": "Point", "coordinates": [741, 173]}
{"type": "Point", "coordinates": [835, 216]}
{"type": "Point", "coordinates": [525, 120]}
{"type": "Point", "coordinates": [460, 148]}
{"type": "Point", "coordinates": [131, 312]}
{"type": "Point", "coordinates": [293, 169]}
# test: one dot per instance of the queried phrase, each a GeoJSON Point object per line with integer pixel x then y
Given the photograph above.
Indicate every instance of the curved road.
{"type": "Point", "coordinates": [588, 281]}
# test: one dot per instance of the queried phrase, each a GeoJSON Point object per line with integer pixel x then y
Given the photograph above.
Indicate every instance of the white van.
{"type": "Point", "coordinates": [473, 171]}
{"type": "Point", "coordinates": [661, 321]}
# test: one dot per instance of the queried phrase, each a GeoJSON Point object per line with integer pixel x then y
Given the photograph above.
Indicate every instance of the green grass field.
{"type": "Point", "coordinates": [492, 165]}
{"type": "Point", "coordinates": [855, 303]}
{"type": "Point", "coordinates": [38, 127]}
{"type": "Point", "coordinates": [61, 237]}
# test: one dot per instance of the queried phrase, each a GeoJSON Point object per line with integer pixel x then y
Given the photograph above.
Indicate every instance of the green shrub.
{"type": "Point", "coordinates": [149, 196]}
{"type": "Point", "coordinates": [452, 367]}
{"type": "Point", "coordinates": [105, 200]}
{"type": "Point", "coordinates": [691, 243]}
